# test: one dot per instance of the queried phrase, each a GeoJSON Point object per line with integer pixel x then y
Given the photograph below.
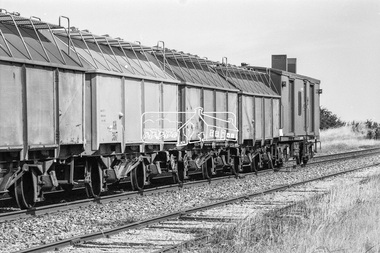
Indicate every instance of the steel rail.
{"type": "Point", "coordinates": [348, 152]}
{"type": "Point", "coordinates": [9, 216]}
{"type": "Point", "coordinates": [147, 222]}
{"type": "Point", "coordinates": [106, 199]}
{"type": "Point", "coordinates": [175, 248]}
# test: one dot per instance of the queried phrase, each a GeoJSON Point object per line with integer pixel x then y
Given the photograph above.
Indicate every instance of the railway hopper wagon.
{"type": "Point", "coordinates": [81, 109]}
{"type": "Point", "coordinates": [259, 117]}
{"type": "Point", "coordinates": [300, 108]}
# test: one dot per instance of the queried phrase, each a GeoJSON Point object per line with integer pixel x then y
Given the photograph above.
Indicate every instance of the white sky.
{"type": "Point", "coordinates": [336, 41]}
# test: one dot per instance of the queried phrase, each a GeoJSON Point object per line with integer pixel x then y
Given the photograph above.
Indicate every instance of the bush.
{"type": "Point", "coordinates": [329, 119]}
{"type": "Point", "coordinates": [370, 128]}
{"type": "Point", "coordinates": [373, 129]}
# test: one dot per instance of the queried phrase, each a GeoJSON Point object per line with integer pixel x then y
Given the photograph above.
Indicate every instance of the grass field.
{"type": "Point", "coordinates": [343, 139]}
{"type": "Point", "coordinates": [346, 220]}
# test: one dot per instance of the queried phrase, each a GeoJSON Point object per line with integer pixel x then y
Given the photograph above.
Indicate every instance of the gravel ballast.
{"type": "Point", "coordinates": [26, 233]}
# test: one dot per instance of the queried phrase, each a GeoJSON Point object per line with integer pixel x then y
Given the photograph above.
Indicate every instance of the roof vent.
{"type": "Point", "coordinates": [279, 62]}
{"type": "Point", "coordinates": [292, 65]}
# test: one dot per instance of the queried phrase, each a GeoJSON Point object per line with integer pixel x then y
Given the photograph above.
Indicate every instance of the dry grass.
{"type": "Point", "coordinates": [346, 220]}
{"type": "Point", "coordinates": [344, 139]}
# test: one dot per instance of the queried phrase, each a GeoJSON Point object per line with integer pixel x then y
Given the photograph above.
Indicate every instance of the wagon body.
{"type": "Point", "coordinates": [81, 108]}
{"type": "Point", "coordinates": [300, 102]}
{"type": "Point", "coordinates": [259, 111]}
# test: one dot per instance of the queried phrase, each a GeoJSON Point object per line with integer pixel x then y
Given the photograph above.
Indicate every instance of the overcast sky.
{"type": "Point", "coordinates": [337, 42]}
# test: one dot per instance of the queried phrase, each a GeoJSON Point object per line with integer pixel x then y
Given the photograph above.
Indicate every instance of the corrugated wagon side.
{"type": "Point", "coordinates": [41, 107]}
{"type": "Point", "coordinates": [300, 110]}
{"type": "Point", "coordinates": [79, 109]}
{"type": "Point", "coordinates": [259, 117]}
{"type": "Point", "coordinates": [207, 115]}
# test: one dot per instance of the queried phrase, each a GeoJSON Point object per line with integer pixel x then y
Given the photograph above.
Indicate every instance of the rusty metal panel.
{"type": "Point", "coordinates": [133, 102]}
{"type": "Point", "coordinates": [193, 101]}
{"type": "Point", "coordinates": [306, 107]}
{"type": "Point", "coordinates": [107, 123]}
{"type": "Point", "coordinates": [317, 115]}
{"type": "Point", "coordinates": [160, 118]}
{"type": "Point", "coordinates": [285, 106]}
{"type": "Point", "coordinates": [292, 107]}
{"type": "Point", "coordinates": [40, 106]}
{"type": "Point", "coordinates": [276, 117]}
{"type": "Point", "coordinates": [152, 103]}
{"type": "Point", "coordinates": [11, 126]}
{"type": "Point", "coordinates": [248, 116]}
{"type": "Point", "coordinates": [268, 112]}
{"type": "Point", "coordinates": [232, 110]}
{"type": "Point", "coordinates": [170, 109]}
{"type": "Point", "coordinates": [259, 118]}
{"type": "Point", "coordinates": [299, 114]}
{"type": "Point", "coordinates": [209, 105]}
{"type": "Point", "coordinates": [312, 108]}
{"type": "Point", "coordinates": [71, 121]}
{"type": "Point", "coordinates": [221, 107]}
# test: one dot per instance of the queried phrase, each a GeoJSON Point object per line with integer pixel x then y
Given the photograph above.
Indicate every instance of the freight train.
{"type": "Point", "coordinates": [82, 109]}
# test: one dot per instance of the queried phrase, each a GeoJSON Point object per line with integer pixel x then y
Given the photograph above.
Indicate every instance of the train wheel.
{"type": "Point", "coordinates": [93, 186]}
{"type": "Point", "coordinates": [24, 190]}
{"type": "Point", "coordinates": [138, 178]}
{"type": "Point", "coordinates": [207, 169]}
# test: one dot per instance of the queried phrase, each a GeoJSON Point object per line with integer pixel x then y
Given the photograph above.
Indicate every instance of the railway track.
{"type": "Point", "coordinates": [187, 214]}
{"type": "Point", "coordinates": [18, 214]}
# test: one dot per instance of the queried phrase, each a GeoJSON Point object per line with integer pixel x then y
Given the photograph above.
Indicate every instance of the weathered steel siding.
{"type": "Point", "coordinates": [299, 118]}
{"type": "Point", "coordinates": [194, 100]}
{"type": "Point", "coordinates": [170, 108]}
{"type": "Point", "coordinates": [11, 126]}
{"type": "Point", "coordinates": [259, 118]}
{"type": "Point", "coordinates": [107, 105]}
{"type": "Point", "coordinates": [40, 106]}
{"type": "Point", "coordinates": [133, 111]}
{"type": "Point", "coordinates": [248, 116]}
{"type": "Point", "coordinates": [268, 116]}
{"type": "Point", "coordinates": [233, 110]}
{"type": "Point", "coordinates": [221, 107]}
{"type": "Point", "coordinates": [276, 117]}
{"type": "Point", "coordinates": [71, 120]}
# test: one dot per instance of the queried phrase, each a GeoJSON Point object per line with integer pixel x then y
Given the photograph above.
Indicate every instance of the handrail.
{"type": "Point", "coordinates": [68, 31]}
{"type": "Point", "coordinates": [56, 44]}
{"type": "Point", "coordinates": [38, 36]}
{"type": "Point", "coordinates": [163, 51]}
{"type": "Point", "coordinates": [22, 38]}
